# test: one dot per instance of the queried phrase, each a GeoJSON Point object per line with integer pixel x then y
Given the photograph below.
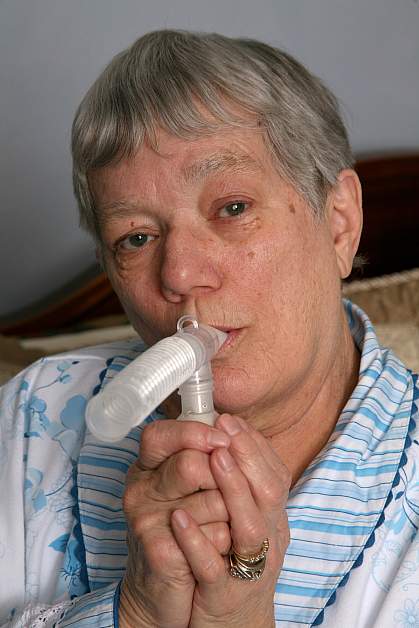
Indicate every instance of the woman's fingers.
{"type": "Point", "coordinates": [247, 521]}
{"type": "Point", "coordinates": [173, 461]}
{"type": "Point", "coordinates": [267, 452]}
{"type": "Point", "coordinates": [254, 484]}
{"type": "Point", "coordinates": [151, 496]}
{"type": "Point", "coordinates": [161, 439]}
{"type": "Point", "coordinates": [182, 474]}
{"type": "Point", "coordinates": [218, 534]}
{"type": "Point", "coordinates": [268, 478]}
{"type": "Point", "coordinates": [205, 507]}
{"type": "Point", "coordinates": [195, 492]}
{"type": "Point", "coordinates": [204, 559]}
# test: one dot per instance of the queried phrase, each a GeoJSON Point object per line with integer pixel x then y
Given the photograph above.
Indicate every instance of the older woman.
{"type": "Point", "coordinates": [215, 176]}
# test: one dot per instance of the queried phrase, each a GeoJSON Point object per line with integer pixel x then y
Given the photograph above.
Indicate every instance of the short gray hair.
{"type": "Point", "coordinates": [166, 79]}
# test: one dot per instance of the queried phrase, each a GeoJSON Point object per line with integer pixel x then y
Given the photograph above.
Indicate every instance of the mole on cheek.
{"type": "Point", "coordinates": [132, 223]}
{"type": "Point", "coordinates": [251, 254]}
{"type": "Point", "coordinates": [292, 208]}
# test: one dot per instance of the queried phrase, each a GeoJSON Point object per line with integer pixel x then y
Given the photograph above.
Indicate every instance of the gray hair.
{"type": "Point", "coordinates": [167, 78]}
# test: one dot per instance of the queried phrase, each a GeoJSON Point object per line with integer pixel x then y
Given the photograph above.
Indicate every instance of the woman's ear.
{"type": "Point", "coordinates": [345, 218]}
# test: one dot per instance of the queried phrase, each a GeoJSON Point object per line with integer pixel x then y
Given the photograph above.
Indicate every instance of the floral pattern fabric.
{"type": "Point", "coordinates": [42, 428]}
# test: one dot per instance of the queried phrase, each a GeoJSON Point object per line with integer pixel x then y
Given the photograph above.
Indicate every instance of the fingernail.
{"type": "Point", "coordinates": [231, 425]}
{"type": "Point", "coordinates": [225, 460]}
{"type": "Point", "coordinates": [181, 518]}
{"type": "Point", "coordinates": [216, 438]}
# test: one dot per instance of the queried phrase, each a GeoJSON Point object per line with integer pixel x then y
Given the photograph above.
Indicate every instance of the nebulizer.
{"type": "Point", "coordinates": [180, 361]}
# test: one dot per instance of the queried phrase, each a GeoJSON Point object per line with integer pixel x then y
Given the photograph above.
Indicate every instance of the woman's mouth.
{"type": "Point", "coordinates": [232, 336]}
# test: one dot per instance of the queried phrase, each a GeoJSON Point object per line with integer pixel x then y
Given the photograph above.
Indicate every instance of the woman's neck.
{"type": "Point", "coordinates": [312, 420]}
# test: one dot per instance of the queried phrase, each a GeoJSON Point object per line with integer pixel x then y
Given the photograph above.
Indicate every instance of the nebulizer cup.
{"type": "Point", "coordinates": [179, 361]}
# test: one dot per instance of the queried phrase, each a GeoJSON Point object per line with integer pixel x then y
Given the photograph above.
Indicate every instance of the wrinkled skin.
{"type": "Point", "coordinates": [209, 228]}
{"type": "Point", "coordinates": [242, 498]}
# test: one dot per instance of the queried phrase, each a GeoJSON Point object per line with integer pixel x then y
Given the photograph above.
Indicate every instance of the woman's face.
{"type": "Point", "coordinates": [209, 228]}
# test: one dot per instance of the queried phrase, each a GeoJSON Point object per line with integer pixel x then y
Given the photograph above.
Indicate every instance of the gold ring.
{"type": "Point", "coordinates": [248, 566]}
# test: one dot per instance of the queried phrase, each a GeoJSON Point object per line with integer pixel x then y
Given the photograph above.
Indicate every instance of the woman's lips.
{"type": "Point", "coordinates": [232, 335]}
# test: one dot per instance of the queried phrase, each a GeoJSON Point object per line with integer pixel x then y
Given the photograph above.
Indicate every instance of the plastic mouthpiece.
{"type": "Point", "coordinates": [149, 379]}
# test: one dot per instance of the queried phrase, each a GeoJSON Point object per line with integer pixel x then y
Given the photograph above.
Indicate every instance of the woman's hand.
{"type": "Point", "coordinates": [254, 485]}
{"type": "Point", "coordinates": [174, 464]}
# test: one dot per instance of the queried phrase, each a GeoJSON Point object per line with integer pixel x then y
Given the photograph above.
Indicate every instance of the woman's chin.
{"type": "Point", "coordinates": [233, 400]}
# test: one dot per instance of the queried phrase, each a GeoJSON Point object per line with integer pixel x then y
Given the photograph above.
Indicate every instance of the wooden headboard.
{"type": "Point", "coordinates": [390, 239]}
{"type": "Point", "coordinates": [390, 243]}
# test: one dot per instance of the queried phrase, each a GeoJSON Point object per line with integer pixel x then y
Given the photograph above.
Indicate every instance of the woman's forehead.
{"type": "Point", "coordinates": [237, 151]}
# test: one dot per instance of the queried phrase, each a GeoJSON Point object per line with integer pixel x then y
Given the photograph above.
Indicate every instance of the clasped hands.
{"type": "Point", "coordinates": [193, 492]}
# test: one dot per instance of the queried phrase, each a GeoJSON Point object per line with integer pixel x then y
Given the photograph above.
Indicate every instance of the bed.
{"type": "Point", "coordinates": [87, 311]}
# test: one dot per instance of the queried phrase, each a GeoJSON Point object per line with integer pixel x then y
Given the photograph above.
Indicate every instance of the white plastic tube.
{"type": "Point", "coordinates": [196, 397]}
{"type": "Point", "coordinates": [149, 379]}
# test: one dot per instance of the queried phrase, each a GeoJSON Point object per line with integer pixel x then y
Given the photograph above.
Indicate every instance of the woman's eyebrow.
{"type": "Point", "coordinates": [227, 161]}
{"type": "Point", "coordinates": [122, 209]}
{"type": "Point", "coordinates": [219, 162]}
{"type": "Point", "coordinates": [117, 209]}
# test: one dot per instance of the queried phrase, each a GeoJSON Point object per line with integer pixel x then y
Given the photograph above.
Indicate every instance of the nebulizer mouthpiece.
{"type": "Point", "coordinates": [179, 361]}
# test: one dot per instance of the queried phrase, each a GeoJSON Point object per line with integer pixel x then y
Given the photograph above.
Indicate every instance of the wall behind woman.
{"type": "Point", "coordinates": [52, 50]}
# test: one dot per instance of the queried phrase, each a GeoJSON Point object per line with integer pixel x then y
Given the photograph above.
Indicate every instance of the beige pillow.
{"type": "Point", "coordinates": [392, 303]}
{"type": "Point", "coordinates": [388, 299]}
{"type": "Point", "coordinates": [403, 338]}
{"type": "Point", "coordinates": [68, 342]}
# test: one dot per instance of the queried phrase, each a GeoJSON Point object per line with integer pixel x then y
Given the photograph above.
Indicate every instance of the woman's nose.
{"type": "Point", "coordinates": [189, 265]}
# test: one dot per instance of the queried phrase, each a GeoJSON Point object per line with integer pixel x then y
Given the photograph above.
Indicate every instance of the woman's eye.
{"type": "Point", "coordinates": [233, 209]}
{"type": "Point", "coordinates": [135, 241]}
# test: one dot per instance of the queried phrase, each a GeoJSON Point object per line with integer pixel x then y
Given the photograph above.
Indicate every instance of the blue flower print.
{"type": "Point", "coordinates": [72, 416]}
{"type": "Point", "coordinates": [64, 377]}
{"type": "Point", "coordinates": [35, 418]}
{"type": "Point", "coordinates": [72, 568]}
{"type": "Point", "coordinates": [70, 431]}
{"type": "Point", "coordinates": [60, 543]}
{"type": "Point", "coordinates": [34, 495]}
{"type": "Point", "coordinates": [409, 616]}
{"type": "Point", "coordinates": [63, 366]}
